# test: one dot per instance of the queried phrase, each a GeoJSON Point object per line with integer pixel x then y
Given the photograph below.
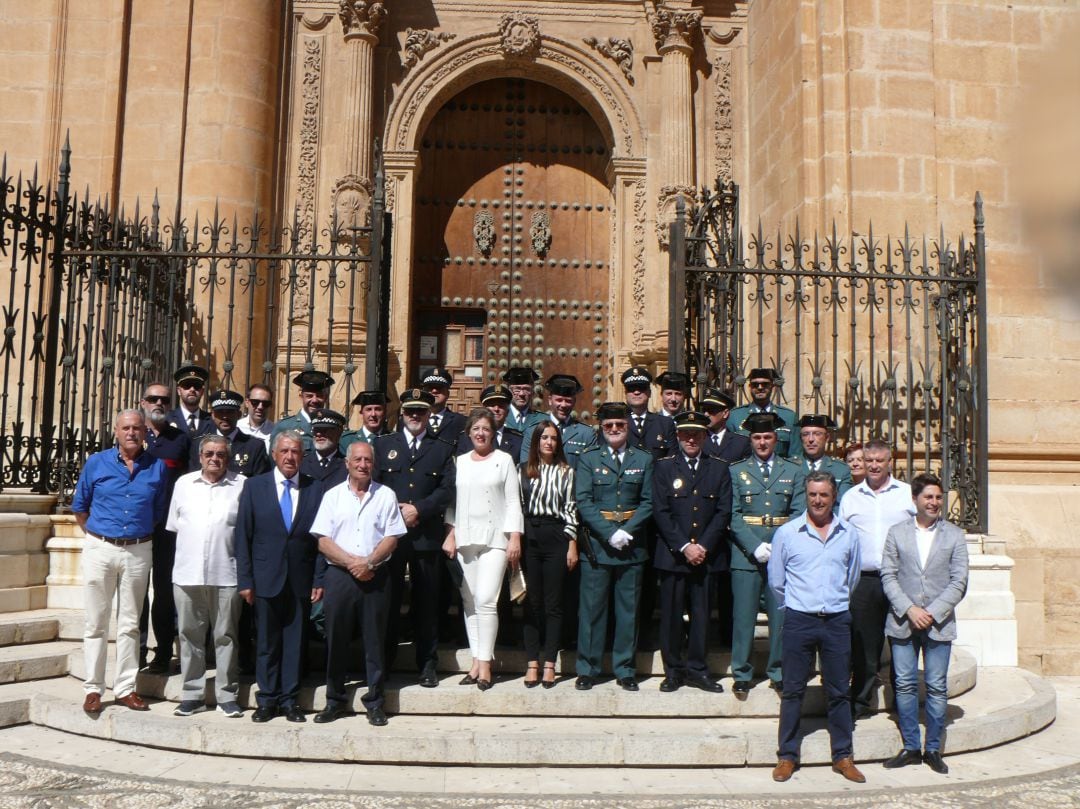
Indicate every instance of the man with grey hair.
{"type": "Point", "coordinates": [118, 500]}
{"type": "Point", "coordinates": [203, 515]}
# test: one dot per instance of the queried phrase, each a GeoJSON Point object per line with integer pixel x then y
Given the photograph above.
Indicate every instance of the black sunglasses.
{"type": "Point", "coordinates": [157, 399]}
{"type": "Point", "coordinates": [259, 402]}
{"type": "Point", "coordinates": [190, 383]}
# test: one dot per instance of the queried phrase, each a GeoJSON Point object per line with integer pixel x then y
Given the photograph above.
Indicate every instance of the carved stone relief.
{"type": "Point", "coordinates": [351, 200]}
{"type": "Point", "coordinates": [665, 208]}
{"type": "Point", "coordinates": [419, 41]}
{"type": "Point", "coordinates": [620, 51]}
{"type": "Point", "coordinates": [722, 121]}
{"type": "Point", "coordinates": [519, 35]}
{"type": "Point", "coordinates": [390, 189]}
{"type": "Point", "coordinates": [540, 232]}
{"type": "Point", "coordinates": [362, 17]}
{"type": "Point", "coordinates": [484, 232]}
{"type": "Point", "coordinates": [639, 260]}
{"type": "Point", "coordinates": [308, 154]}
{"type": "Point", "coordinates": [673, 28]}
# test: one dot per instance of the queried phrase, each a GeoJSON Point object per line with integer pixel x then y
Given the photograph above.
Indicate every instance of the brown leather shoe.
{"type": "Point", "coordinates": [92, 703]}
{"type": "Point", "coordinates": [783, 769]}
{"type": "Point", "coordinates": [846, 767]}
{"type": "Point", "coordinates": [133, 701]}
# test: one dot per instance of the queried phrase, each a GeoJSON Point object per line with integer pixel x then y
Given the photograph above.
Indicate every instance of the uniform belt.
{"type": "Point", "coordinates": [125, 540]}
{"type": "Point", "coordinates": [618, 516]}
{"type": "Point", "coordinates": [766, 520]}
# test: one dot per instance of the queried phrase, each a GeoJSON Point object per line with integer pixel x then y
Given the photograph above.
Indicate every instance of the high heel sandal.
{"type": "Point", "coordinates": [534, 682]}
{"type": "Point", "coordinates": [546, 682]}
{"type": "Point", "coordinates": [468, 679]}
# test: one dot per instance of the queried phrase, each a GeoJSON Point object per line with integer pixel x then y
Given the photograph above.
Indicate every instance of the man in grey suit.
{"type": "Point", "coordinates": [924, 573]}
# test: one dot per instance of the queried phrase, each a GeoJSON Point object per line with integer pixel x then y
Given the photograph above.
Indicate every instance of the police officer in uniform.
{"type": "Point", "coordinates": [815, 431]}
{"type": "Point", "coordinates": [496, 398]}
{"type": "Point", "coordinates": [314, 393]}
{"type": "Point", "coordinates": [761, 383]}
{"type": "Point", "coordinates": [326, 461]}
{"type": "Point", "coordinates": [767, 491]}
{"type": "Point", "coordinates": [443, 421]}
{"type": "Point", "coordinates": [372, 404]}
{"type": "Point", "coordinates": [520, 381]}
{"type": "Point", "coordinates": [722, 443]}
{"type": "Point", "coordinates": [419, 467]}
{"type": "Point", "coordinates": [188, 416]}
{"type": "Point", "coordinates": [691, 508]}
{"type": "Point", "coordinates": [674, 388]}
{"type": "Point", "coordinates": [577, 437]}
{"type": "Point", "coordinates": [613, 483]}
{"type": "Point", "coordinates": [248, 452]}
{"type": "Point", "coordinates": [648, 430]}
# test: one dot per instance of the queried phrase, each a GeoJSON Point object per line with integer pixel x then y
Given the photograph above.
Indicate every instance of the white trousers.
{"type": "Point", "coordinates": [484, 569]}
{"type": "Point", "coordinates": [122, 571]}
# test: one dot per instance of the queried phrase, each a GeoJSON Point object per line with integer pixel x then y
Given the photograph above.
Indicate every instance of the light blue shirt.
{"type": "Point", "coordinates": [811, 575]}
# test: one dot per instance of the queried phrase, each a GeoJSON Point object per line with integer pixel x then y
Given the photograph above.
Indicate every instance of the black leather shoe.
{"type": "Point", "coordinates": [583, 683]}
{"type": "Point", "coordinates": [705, 684]}
{"type": "Point", "coordinates": [627, 683]}
{"type": "Point", "coordinates": [294, 714]}
{"type": "Point", "coordinates": [903, 759]}
{"type": "Point", "coordinates": [159, 665]}
{"type": "Point", "coordinates": [935, 762]}
{"type": "Point", "coordinates": [263, 713]}
{"type": "Point", "coordinates": [669, 684]}
{"type": "Point", "coordinates": [330, 713]}
{"type": "Point", "coordinates": [376, 717]}
{"type": "Point", "coordinates": [777, 686]}
{"type": "Point", "coordinates": [741, 687]}
{"type": "Point", "coordinates": [428, 677]}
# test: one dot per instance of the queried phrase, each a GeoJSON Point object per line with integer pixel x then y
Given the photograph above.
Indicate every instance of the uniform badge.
{"type": "Point", "coordinates": [392, 454]}
{"type": "Point", "coordinates": [678, 484]}
{"type": "Point", "coordinates": [749, 499]}
{"type": "Point", "coordinates": [604, 471]}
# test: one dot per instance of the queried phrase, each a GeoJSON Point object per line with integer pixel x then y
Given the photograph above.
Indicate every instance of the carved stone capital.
{"type": "Point", "coordinates": [665, 208]}
{"type": "Point", "coordinates": [620, 51]}
{"type": "Point", "coordinates": [674, 28]}
{"type": "Point", "coordinates": [419, 41]}
{"type": "Point", "coordinates": [362, 19]}
{"type": "Point", "coordinates": [519, 35]}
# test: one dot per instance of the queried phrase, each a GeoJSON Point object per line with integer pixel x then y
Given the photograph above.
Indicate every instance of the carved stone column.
{"type": "Point", "coordinates": [361, 21]}
{"type": "Point", "coordinates": [674, 30]}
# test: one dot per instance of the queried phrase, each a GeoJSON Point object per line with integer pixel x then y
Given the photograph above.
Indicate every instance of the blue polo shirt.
{"type": "Point", "coordinates": [121, 504]}
{"type": "Point", "coordinates": [809, 574]}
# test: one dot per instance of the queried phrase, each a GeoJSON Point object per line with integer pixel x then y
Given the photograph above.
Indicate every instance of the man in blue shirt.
{"type": "Point", "coordinates": [120, 497]}
{"type": "Point", "coordinates": [813, 569]}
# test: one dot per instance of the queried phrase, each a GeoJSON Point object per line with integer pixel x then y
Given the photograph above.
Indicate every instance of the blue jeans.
{"type": "Point", "coordinates": [905, 655]}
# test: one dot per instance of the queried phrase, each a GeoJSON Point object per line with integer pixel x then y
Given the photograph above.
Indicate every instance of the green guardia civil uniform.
{"type": "Point", "coordinates": [610, 497]}
{"type": "Point", "coordinates": [576, 437]}
{"type": "Point", "coordinates": [759, 505]}
{"type": "Point", "coordinates": [788, 441]}
{"type": "Point", "coordinates": [301, 423]}
{"type": "Point", "coordinates": [839, 470]}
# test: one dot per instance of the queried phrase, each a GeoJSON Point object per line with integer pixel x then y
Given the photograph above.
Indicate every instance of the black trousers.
{"type": "Point", "coordinates": [869, 607]}
{"type": "Point", "coordinates": [347, 604]}
{"type": "Point", "coordinates": [425, 584]}
{"type": "Point", "coordinates": [163, 608]}
{"type": "Point", "coordinates": [280, 624]}
{"type": "Point", "coordinates": [650, 593]}
{"type": "Point", "coordinates": [679, 591]}
{"type": "Point", "coordinates": [546, 544]}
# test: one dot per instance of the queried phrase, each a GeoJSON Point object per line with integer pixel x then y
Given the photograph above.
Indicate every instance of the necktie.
{"type": "Point", "coordinates": [415, 445]}
{"type": "Point", "coordinates": [618, 459]}
{"type": "Point", "coordinates": [765, 470]}
{"type": "Point", "coordinates": [716, 439]}
{"type": "Point", "coordinates": [434, 422]}
{"type": "Point", "coordinates": [286, 504]}
{"type": "Point", "coordinates": [639, 421]}
{"type": "Point", "coordinates": [191, 422]}
{"type": "Point", "coordinates": [693, 465]}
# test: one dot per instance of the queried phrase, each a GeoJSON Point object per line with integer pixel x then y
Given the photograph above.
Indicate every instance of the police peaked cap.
{"type": "Point", "coordinates": [636, 376]}
{"type": "Point", "coordinates": [612, 410]}
{"type": "Point", "coordinates": [493, 392]}
{"type": "Point", "coordinates": [717, 397]}
{"type": "Point", "coordinates": [762, 423]}
{"type": "Point", "coordinates": [563, 385]}
{"type": "Point", "coordinates": [417, 399]}
{"type": "Point", "coordinates": [226, 400]}
{"type": "Point", "coordinates": [817, 421]}
{"type": "Point", "coordinates": [369, 397]}
{"type": "Point", "coordinates": [673, 380]}
{"type": "Point", "coordinates": [313, 380]}
{"type": "Point", "coordinates": [691, 420]}
{"type": "Point", "coordinates": [438, 376]}
{"type": "Point", "coordinates": [325, 417]}
{"type": "Point", "coordinates": [186, 372]}
{"type": "Point", "coordinates": [520, 376]}
{"type": "Point", "coordinates": [762, 373]}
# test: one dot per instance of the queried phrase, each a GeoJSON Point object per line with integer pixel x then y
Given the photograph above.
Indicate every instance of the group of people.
{"type": "Point", "coordinates": [668, 511]}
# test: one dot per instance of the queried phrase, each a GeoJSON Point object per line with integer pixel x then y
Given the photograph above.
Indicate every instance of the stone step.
{"type": "Point", "coordinates": [35, 661]}
{"type": "Point", "coordinates": [1007, 704]}
{"type": "Point", "coordinates": [27, 627]}
{"type": "Point", "coordinates": [510, 698]}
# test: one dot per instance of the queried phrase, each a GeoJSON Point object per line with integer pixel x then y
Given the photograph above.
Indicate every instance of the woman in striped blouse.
{"type": "Point", "coordinates": [551, 521]}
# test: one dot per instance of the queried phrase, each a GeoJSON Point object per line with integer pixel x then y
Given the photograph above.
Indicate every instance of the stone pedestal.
{"type": "Point", "coordinates": [65, 568]}
{"type": "Point", "coordinates": [23, 560]}
{"type": "Point", "coordinates": [986, 618]}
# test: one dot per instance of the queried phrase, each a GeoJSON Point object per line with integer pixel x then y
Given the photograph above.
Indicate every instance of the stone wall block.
{"type": "Point", "coordinates": [978, 23]}
{"type": "Point", "coordinates": [974, 63]}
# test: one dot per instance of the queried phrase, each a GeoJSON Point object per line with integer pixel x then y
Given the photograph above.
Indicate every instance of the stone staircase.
{"type": "Point", "coordinates": [508, 725]}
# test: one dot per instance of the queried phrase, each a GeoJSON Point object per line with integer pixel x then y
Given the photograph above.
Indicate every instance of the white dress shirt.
{"type": "Point", "coordinates": [924, 540]}
{"type": "Point", "coordinates": [874, 513]}
{"type": "Point", "coordinates": [203, 515]}
{"type": "Point", "coordinates": [263, 431]}
{"type": "Point", "coordinates": [358, 524]}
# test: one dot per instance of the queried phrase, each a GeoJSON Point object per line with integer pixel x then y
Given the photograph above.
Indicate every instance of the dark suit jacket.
{"type": "Point", "coordinates": [177, 417]}
{"type": "Point", "coordinates": [451, 425]}
{"type": "Point", "coordinates": [330, 475]}
{"type": "Point", "coordinates": [657, 436]}
{"type": "Point", "coordinates": [733, 447]}
{"type": "Point", "coordinates": [268, 558]}
{"type": "Point", "coordinates": [688, 506]}
{"type": "Point", "coordinates": [246, 457]}
{"type": "Point", "coordinates": [511, 443]}
{"type": "Point", "coordinates": [426, 482]}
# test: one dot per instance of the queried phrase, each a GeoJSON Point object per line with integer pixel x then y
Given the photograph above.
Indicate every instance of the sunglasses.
{"type": "Point", "coordinates": [188, 384]}
{"type": "Point", "coordinates": [259, 402]}
{"type": "Point", "coordinates": [712, 410]}
{"type": "Point", "coordinates": [220, 454]}
{"type": "Point", "coordinates": [637, 388]}
{"type": "Point", "coordinates": [157, 399]}
{"type": "Point", "coordinates": [613, 426]}
{"type": "Point", "coordinates": [761, 384]}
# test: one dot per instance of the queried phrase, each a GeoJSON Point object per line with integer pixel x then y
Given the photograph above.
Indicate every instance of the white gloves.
{"type": "Point", "coordinates": [763, 551]}
{"type": "Point", "coordinates": [620, 539]}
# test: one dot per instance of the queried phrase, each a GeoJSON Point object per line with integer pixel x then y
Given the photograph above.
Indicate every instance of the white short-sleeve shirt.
{"type": "Point", "coordinates": [358, 524]}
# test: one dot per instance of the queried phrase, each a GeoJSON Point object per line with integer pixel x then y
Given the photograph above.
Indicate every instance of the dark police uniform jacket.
{"type": "Point", "coordinates": [173, 447]}
{"type": "Point", "coordinates": [330, 475]}
{"type": "Point", "coordinates": [657, 435]}
{"type": "Point", "coordinates": [602, 485]}
{"type": "Point", "coordinates": [451, 425]}
{"type": "Point", "coordinates": [426, 481]}
{"type": "Point", "coordinates": [247, 455]}
{"type": "Point", "coordinates": [691, 507]}
{"type": "Point", "coordinates": [177, 417]}
{"type": "Point", "coordinates": [733, 447]}
{"type": "Point", "coordinates": [509, 442]}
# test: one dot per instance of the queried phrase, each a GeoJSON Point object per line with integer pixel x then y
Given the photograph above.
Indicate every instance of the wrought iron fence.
{"type": "Point", "coordinates": [100, 304]}
{"type": "Point", "coordinates": [886, 335]}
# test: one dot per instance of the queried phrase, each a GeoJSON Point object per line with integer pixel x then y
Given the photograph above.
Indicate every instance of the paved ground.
{"type": "Point", "coordinates": [43, 768]}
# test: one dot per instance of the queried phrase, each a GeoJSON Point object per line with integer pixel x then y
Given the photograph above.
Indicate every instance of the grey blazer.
{"type": "Point", "coordinates": [937, 589]}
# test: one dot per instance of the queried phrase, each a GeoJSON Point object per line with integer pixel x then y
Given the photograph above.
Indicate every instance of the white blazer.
{"type": "Point", "coordinates": [487, 505]}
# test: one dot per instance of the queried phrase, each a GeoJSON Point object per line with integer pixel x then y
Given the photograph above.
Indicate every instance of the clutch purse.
{"type": "Point", "coordinates": [517, 585]}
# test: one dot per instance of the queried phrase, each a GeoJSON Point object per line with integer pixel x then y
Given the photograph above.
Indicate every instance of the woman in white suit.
{"type": "Point", "coordinates": [484, 526]}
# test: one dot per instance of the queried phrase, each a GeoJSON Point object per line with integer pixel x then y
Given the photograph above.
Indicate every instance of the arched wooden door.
{"type": "Point", "coordinates": [512, 240]}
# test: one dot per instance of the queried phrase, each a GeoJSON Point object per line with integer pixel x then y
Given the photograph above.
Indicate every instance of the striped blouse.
{"type": "Point", "coordinates": [552, 495]}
